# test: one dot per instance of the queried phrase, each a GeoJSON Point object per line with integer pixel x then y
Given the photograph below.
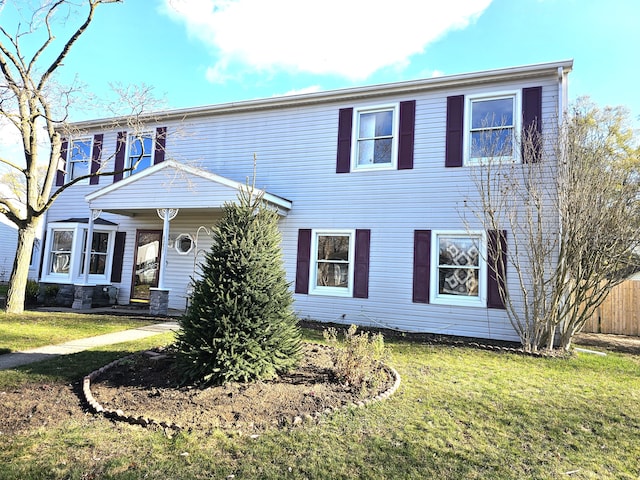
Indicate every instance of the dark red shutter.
{"type": "Point", "coordinates": [455, 131]}
{"type": "Point", "coordinates": [421, 265]}
{"type": "Point", "coordinates": [303, 262]}
{"type": "Point", "coordinates": [63, 156]}
{"type": "Point", "coordinates": [96, 154]}
{"type": "Point", "coordinates": [121, 150]}
{"type": "Point", "coordinates": [118, 257]}
{"type": "Point", "coordinates": [361, 264]}
{"type": "Point", "coordinates": [345, 122]}
{"type": "Point", "coordinates": [407, 134]}
{"type": "Point", "coordinates": [497, 254]}
{"type": "Point", "coordinates": [43, 253]}
{"type": "Point", "coordinates": [532, 122]}
{"type": "Point", "coordinates": [160, 144]}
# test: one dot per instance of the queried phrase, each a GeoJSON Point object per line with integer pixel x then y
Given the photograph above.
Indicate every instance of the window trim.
{"type": "Point", "coordinates": [176, 244]}
{"type": "Point", "coordinates": [77, 259]}
{"type": "Point", "coordinates": [393, 164]}
{"type": "Point", "coordinates": [516, 95]}
{"type": "Point", "coordinates": [87, 161]}
{"type": "Point", "coordinates": [130, 140]}
{"type": "Point", "coordinates": [314, 289]}
{"type": "Point", "coordinates": [437, 298]}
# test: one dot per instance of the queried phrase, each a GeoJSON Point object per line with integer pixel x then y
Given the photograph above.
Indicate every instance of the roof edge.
{"type": "Point", "coordinates": [478, 77]}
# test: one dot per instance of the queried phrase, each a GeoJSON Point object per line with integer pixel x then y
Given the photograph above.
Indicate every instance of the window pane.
{"type": "Point", "coordinates": [97, 264]}
{"type": "Point", "coordinates": [458, 251]}
{"type": "Point", "coordinates": [100, 242]}
{"type": "Point", "coordinates": [367, 125]}
{"type": "Point", "coordinates": [62, 240]}
{"type": "Point", "coordinates": [492, 113]}
{"type": "Point", "coordinates": [382, 151]}
{"type": "Point", "coordinates": [366, 152]}
{"type": "Point", "coordinates": [333, 275]}
{"type": "Point", "coordinates": [492, 143]}
{"type": "Point", "coordinates": [335, 247]}
{"type": "Point", "coordinates": [60, 262]}
{"type": "Point", "coordinates": [376, 124]}
{"type": "Point", "coordinates": [459, 281]}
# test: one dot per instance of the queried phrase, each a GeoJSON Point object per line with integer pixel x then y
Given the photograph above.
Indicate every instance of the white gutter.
{"type": "Point", "coordinates": [346, 94]}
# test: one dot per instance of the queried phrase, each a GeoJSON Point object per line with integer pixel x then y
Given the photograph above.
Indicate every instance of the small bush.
{"type": "Point", "coordinates": [358, 357]}
{"type": "Point", "coordinates": [31, 292]}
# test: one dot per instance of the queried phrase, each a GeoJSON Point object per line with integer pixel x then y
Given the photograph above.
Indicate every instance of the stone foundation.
{"type": "Point", "coordinates": [82, 297]}
{"type": "Point", "coordinates": [158, 301]}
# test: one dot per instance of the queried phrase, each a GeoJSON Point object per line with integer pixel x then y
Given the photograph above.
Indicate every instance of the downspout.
{"type": "Point", "coordinates": [562, 110]}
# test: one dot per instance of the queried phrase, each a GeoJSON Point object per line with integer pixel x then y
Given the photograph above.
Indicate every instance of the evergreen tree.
{"type": "Point", "coordinates": [240, 325]}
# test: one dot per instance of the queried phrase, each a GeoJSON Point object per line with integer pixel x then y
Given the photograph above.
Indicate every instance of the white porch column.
{"type": "Point", "coordinates": [166, 214]}
{"type": "Point", "coordinates": [93, 215]}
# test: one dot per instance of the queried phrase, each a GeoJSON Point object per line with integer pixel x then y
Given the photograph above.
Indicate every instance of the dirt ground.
{"type": "Point", "coordinates": [145, 385]}
{"type": "Point", "coordinates": [148, 387]}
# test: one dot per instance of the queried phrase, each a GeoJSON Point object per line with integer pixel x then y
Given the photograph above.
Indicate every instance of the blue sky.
{"type": "Point", "coordinates": [198, 52]}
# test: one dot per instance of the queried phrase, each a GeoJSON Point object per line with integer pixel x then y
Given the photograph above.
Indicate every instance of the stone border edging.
{"type": "Point", "coordinates": [143, 421]}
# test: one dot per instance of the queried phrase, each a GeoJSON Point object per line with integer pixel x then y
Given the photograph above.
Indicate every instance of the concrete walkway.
{"type": "Point", "coordinates": [12, 360]}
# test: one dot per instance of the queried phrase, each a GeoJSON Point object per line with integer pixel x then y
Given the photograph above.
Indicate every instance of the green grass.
{"type": "Point", "coordinates": [459, 413]}
{"type": "Point", "coordinates": [36, 329]}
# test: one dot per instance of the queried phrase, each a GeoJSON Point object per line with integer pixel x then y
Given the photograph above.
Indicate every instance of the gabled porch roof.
{"type": "Point", "coordinates": [173, 185]}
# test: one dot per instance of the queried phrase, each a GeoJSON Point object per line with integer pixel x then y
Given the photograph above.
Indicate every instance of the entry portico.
{"type": "Point", "coordinates": [164, 191]}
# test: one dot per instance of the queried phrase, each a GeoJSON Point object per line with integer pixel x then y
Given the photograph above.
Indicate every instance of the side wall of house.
{"type": "Point", "coordinates": [8, 243]}
{"type": "Point", "coordinates": [296, 159]}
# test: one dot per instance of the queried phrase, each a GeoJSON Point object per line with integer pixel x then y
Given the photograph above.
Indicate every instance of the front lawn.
{"type": "Point", "coordinates": [459, 413]}
{"type": "Point", "coordinates": [36, 329]}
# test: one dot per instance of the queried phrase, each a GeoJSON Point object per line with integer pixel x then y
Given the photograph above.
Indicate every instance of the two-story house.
{"type": "Point", "coordinates": [370, 183]}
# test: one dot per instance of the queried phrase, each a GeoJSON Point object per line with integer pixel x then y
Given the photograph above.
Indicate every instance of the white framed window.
{"type": "Point", "coordinates": [60, 252]}
{"type": "Point", "coordinates": [492, 124]}
{"type": "Point", "coordinates": [458, 268]}
{"type": "Point", "coordinates": [375, 137]}
{"type": "Point", "coordinates": [99, 252]}
{"type": "Point", "coordinates": [65, 248]}
{"type": "Point", "coordinates": [140, 152]}
{"type": "Point", "coordinates": [79, 157]}
{"type": "Point", "coordinates": [184, 244]}
{"type": "Point", "coordinates": [332, 256]}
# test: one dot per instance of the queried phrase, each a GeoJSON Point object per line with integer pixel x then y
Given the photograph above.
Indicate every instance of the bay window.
{"type": "Point", "coordinates": [66, 244]}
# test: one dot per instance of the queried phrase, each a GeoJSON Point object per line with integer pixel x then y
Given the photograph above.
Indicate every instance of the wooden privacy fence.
{"type": "Point", "coordinates": [619, 313]}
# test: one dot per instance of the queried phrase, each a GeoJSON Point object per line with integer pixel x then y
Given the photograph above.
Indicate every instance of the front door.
{"type": "Point", "coordinates": [146, 264]}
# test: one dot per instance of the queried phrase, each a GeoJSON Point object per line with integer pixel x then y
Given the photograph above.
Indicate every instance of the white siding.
{"type": "Point", "coordinates": [8, 243]}
{"type": "Point", "coordinates": [296, 159]}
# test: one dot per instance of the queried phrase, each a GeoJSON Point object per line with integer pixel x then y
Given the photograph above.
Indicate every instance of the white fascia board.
{"type": "Point", "coordinates": [346, 94]}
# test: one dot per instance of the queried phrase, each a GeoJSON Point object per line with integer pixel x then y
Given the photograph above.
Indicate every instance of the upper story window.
{"type": "Point", "coordinates": [459, 274]}
{"type": "Point", "coordinates": [491, 123]}
{"type": "Point", "coordinates": [375, 137]}
{"type": "Point", "coordinates": [141, 152]}
{"type": "Point", "coordinates": [79, 158]}
{"type": "Point", "coordinates": [332, 267]}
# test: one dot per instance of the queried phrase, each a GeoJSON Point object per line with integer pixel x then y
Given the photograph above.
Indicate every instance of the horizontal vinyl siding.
{"type": "Point", "coordinates": [296, 159]}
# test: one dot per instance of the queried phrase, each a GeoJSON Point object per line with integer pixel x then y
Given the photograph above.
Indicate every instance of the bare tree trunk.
{"type": "Point", "coordinates": [20, 272]}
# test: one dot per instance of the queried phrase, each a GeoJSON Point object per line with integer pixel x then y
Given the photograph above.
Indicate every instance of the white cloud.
{"type": "Point", "coordinates": [301, 91]}
{"type": "Point", "coordinates": [350, 38]}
